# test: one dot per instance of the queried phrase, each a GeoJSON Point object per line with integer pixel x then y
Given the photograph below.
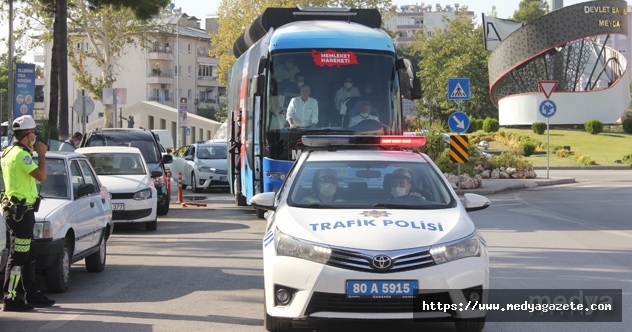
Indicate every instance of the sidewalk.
{"type": "Point", "coordinates": [492, 186]}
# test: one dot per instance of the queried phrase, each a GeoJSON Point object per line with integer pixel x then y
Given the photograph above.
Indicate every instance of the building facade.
{"type": "Point", "coordinates": [177, 64]}
{"type": "Point", "coordinates": [420, 17]}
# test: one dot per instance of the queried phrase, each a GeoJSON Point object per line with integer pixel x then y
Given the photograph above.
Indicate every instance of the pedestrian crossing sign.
{"type": "Point", "coordinates": [459, 88]}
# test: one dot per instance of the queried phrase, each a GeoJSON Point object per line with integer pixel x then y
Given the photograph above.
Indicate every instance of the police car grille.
{"type": "Point", "coordinates": [340, 303]}
{"type": "Point", "coordinates": [402, 261]}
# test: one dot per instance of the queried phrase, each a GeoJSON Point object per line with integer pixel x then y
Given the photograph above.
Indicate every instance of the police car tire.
{"type": "Point", "coordinates": [274, 324]}
{"type": "Point", "coordinates": [58, 276]}
{"type": "Point", "coordinates": [96, 261]}
{"type": "Point", "coordinates": [470, 325]}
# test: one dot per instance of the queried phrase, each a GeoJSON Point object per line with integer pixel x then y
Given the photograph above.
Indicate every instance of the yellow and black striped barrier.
{"type": "Point", "coordinates": [459, 149]}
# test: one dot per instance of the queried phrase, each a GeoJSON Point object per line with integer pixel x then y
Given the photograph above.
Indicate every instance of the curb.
{"type": "Point", "coordinates": [515, 186]}
{"type": "Point", "coordinates": [581, 168]}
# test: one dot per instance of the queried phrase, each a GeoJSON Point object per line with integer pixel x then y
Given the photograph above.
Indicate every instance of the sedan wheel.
{"type": "Point", "coordinates": [58, 276]}
{"type": "Point", "coordinates": [194, 184]}
{"type": "Point", "coordinates": [96, 261]}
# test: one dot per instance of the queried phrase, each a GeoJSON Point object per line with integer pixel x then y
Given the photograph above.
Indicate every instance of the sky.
{"type": "Point", "coordinates": [203, 9]}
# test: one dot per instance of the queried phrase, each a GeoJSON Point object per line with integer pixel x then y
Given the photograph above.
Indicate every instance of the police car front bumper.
{"type": "Point", "coordinates": [319, 291]}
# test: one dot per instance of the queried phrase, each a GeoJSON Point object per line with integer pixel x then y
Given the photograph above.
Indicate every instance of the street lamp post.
{"type": "Point", "coordinates": [177, 95]}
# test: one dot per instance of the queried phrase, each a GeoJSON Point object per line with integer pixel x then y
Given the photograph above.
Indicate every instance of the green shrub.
{"type": "Point", "coordinates": [528, 148]}
{"type": "Point", "coordinates": [491, 125]}
{"type": "Point", "coordinates": [593, 126]}
{"type": "Point", "coordinates": [473, 126]}
{"type": "Point", "coordinates": [627, 125]}
{"type": "Point", "coordinates": [538, 127]}
{"type": "Point", "coordinates": [562, 153]}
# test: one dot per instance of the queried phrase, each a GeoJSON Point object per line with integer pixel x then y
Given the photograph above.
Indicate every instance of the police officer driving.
{"type": "Point", "coordinates": [20, 201]}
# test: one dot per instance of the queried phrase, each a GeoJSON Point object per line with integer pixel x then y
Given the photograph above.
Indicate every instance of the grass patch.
{"type": "Point", "coordinates": [603, 148]}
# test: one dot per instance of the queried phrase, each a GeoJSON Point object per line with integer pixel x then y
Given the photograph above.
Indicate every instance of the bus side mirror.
{"type": "Point", "coordinates": [408, 80]}
{"type": "Point", "coordinates": [257, 85]}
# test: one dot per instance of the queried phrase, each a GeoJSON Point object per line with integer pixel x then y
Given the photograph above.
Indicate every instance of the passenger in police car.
{"type": "Point", "coordinates": [401, 182]}
{"type": "Point", "coordinates": [324, 187]}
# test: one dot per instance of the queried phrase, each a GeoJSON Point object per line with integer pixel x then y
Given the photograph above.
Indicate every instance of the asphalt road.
{"type": "Point", "coordinates": [202, 269]}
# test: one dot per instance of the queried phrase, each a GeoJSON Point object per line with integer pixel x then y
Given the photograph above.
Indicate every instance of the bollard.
{"type": "Point", "coordinates": [179, 187]}
{"type": "Point", "coordinates": [168, 171]}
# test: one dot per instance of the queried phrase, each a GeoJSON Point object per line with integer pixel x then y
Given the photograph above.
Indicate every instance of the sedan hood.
{"type": "Point", "coordinates": [375, 229]}
{"type": "Point", "coordinates": [215, 163]}
{"type": "Point", "coordinates": [125, 183]}
{"type": "Point", "coordinates": [48, 206]}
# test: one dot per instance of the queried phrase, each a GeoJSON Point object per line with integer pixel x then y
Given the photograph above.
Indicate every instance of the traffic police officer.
{"type": "Point", "coordinates": [20, 201]}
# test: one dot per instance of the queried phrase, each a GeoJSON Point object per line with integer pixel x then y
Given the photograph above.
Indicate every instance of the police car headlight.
{"type": "Point", "coordinates": [143, 194]}
{"type": "Point", "coordinates": [293, 247]}
{"type": "Point", "coordinates": [469, 247]}
{"type": "Point", "coordinates": [42, 230]}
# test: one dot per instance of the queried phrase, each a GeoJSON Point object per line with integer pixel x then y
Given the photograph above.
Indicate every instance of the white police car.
{"type": "Point", "coordinates": [359, 232]}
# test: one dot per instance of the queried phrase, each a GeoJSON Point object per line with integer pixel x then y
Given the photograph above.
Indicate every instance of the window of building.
{"type": "Point", "coordinates": [150, 119]}
{"type": "Point", "coordinates": [190, 69]}
{"type": "Point", "coordinates": [189, 48]}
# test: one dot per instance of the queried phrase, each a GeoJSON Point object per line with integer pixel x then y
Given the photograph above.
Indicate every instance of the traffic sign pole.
{"type": "Point", "coordinates": [548, 147]}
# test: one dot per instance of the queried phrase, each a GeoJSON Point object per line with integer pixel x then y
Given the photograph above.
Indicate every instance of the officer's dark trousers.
{"type": "Point", "coordinates": [20, 232]}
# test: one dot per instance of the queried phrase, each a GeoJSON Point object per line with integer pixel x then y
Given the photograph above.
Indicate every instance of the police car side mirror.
{"type": "Point", "coordinates": [264, 201]}
{"type": "Point", "coordinates": [474, 202]}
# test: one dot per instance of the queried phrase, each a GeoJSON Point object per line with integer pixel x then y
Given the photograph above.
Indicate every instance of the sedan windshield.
{"type": "Point", "coordinates": [56, 183]}
{"type": "Point", "coordinates": [370, 184]}
{"type": "Point", "coordinates": [117, 163]}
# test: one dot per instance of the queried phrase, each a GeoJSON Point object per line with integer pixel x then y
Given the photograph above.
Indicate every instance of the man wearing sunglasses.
{"type": "Point", "coordinates": [20, 201]}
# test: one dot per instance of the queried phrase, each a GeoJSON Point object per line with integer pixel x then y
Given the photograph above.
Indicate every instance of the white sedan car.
{"type": "Point", "coordinates": [370, 232]}
{"type": "Point", "coordinates": [124, 172]}
{"type": "Point", "coordinates": [74, 220]}
{"type": "Point", "coordinates": [202, 165]}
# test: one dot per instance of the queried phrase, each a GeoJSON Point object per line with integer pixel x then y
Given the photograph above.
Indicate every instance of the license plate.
{"type": "Point", "coordinates": [118, 206]}
{"type": "Point", "coordinates": [382, 289]}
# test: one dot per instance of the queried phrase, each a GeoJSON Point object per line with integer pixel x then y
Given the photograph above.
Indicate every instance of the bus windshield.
{"type": "Point", "coordinates": [343, 91]}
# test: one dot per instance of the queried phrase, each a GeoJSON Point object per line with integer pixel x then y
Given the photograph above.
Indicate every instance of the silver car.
{"type": "Point", "coordinates": [202, 165]}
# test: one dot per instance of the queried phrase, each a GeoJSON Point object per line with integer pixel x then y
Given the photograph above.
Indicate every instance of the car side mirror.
{"type": "Point", "coordinates": [85, 189]}
{"type": "Point", "coordinates": [264, 201]}
{"type": "Point", "coordinates": [189, 157]}
{"type": "Point", "coordinates": [156, 174]}
{"type": "Point", "coordinates": [167, 159]}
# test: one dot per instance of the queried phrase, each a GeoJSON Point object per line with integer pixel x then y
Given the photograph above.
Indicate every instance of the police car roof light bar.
{"type": "Point", "coordinates": [363, 140]}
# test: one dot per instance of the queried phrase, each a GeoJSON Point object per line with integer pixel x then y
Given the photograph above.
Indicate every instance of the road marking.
{"type": "Point", "coordinates": [58, 322]}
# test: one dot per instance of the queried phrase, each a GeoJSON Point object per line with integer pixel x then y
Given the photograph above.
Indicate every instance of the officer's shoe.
{"type": "Point", "coordinates": [18, 305]}
{"type": "Point", "coordinates": [39, 300]}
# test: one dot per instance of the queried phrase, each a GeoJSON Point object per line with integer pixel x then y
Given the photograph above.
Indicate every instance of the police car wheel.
{"type": "Point", "coordinates": [96, 261]}
{"type": "Point", "coordinates": [58, 276]}
{"type": "Point", "coordinates": [470, 325]}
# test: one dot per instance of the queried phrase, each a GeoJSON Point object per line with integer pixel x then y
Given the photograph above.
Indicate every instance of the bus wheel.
{"type": "Point", "coordinates": [240, 200]}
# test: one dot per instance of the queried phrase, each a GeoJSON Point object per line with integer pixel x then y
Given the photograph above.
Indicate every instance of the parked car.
{"type": "Point", "coordinates": [364, 228]}
{"type": "Point", "coordinates": [147, 143]}
{"type": "Point", "coordinates": [74, 220]}
{"type": "Point", "coordinates": [124, 172]}
{"type": "Point", "coordinates": [203, 165]}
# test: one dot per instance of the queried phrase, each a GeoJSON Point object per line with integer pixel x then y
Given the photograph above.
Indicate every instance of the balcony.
{"type": "Point", "coordinates": [207, 81]}
{"type": "Point", "coordinates": [158, 76]}
{"type": "Point", "coordinates": [203, 54]}
{"type": "Point", "coordinates": [159, 52]}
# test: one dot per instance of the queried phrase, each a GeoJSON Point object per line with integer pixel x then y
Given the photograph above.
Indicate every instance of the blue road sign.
{"type": "Point", "coordinates": [187, 132]}
{"type": "Point", "coordinates": [458, 122]}
{"type": "Point", "coordinates": [547, 108]}
{"type": "Point", "coordinates": [459, 88]}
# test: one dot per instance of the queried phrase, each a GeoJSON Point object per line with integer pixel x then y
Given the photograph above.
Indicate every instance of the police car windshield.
{"type": "Point", "coordinates": [370, 184]}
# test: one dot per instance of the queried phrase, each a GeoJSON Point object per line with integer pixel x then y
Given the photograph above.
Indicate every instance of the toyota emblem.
{"type": "Point", "coordinates": [381, 263]}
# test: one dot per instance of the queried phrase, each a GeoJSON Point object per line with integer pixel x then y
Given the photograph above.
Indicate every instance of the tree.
{"type": "Point", "coordinates": [530, 10]}
{"type": "Point", "coordinates": [234, 16]}
{"type": "Point", "coordinates": [456, 51]}
{"type": "Point", "coordinates": [45, 10]}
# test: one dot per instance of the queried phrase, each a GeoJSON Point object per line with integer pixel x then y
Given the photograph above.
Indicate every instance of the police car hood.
{"type": "Point", "coordinates": [375, 229]}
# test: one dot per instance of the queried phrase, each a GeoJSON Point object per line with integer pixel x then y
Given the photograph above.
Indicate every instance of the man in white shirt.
{"type": "Point", "coordinates": [346, 91]}
{"type": "Point", "coordinates": [302, 111]}
{"type": "Point", "coordinates": [365, 114]}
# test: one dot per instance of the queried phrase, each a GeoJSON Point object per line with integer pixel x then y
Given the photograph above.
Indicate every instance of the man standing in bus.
{"type": "Point", "coordinates": [345, 92]}
{"type": "Point", "coordinates": [303, 110]}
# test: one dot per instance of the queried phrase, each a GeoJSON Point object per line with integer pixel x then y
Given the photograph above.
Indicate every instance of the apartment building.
{"type": "Point", "coordinates": [420, 17]}
{"type": "Point", "coordinates": [176, 64]}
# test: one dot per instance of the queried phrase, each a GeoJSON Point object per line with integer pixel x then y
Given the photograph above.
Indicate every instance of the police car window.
{"type": "Point", "coordinates": [369, 184]}
{"type": "Point", "coordinates": [76, 177]}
